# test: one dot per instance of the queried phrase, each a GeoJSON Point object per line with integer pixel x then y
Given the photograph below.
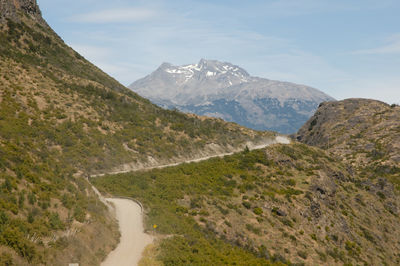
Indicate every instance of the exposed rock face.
{"type": "Point", "coordinates": [10, 9]}
{"type": "Point", "coordinates": [364, 133]}
{"type": "Point", "coordinates": [224, 90]}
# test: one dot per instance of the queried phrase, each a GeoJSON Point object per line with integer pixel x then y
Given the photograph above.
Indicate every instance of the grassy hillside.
{"type": "Point", "coordinates": [363, 133]}
{"type": "Point", "coordinates": [286, 203]}
{"type": "Point", "coordinates": [62, 118]}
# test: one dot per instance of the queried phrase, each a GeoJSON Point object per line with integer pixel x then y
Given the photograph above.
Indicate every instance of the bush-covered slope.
{"type": "Point", "coordinates": [363, 133]}
{"type": "Point", "coordinates": [62, 118]}
{"type": "Point", "coordinates": [287, 203]}
{"type": "Point", "coordinates": [90, 117]}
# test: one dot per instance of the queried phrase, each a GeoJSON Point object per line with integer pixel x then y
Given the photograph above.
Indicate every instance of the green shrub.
{"type": "Point", "coordinates": [287, 222]}
{"type": "Point", "coordinates": [258, 211]}
{"type": "Point", "coordinates": [246, 204]}
{"type": "Point", "coordinates": [253, 229]}
{"type": "Point", "coordinates": [291, 182]}
{"type": "Point", "coordinates": [381, 195]}
{"type": "Point", "coordinates": [6, 259]}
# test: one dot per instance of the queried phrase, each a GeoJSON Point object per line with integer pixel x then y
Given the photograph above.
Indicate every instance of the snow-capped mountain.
{"type": "Point", "coordinates": [220, 89]}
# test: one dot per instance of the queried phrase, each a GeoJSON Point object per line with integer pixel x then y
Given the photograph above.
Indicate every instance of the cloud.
{"type": "Point", "coordinates": [119, 15]}
{"type": "Point", "coordinates": [290, 8]}
{"type": "Point", "coordinates": [92, 52]}
{"type": "Point", "coordinates": [392, 46]}
{"type": "Point", "coordinates": [301, 67]}
{"type": "Point", "coordinates": [248, 35]}
{"type": "Point", "coordinates": [387, 90]}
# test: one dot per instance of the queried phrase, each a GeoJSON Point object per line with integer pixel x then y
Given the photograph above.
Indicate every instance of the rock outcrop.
{"type": "Point", "coordinates": [10, 9]}
{"type": "Point", "coordinates": [365, 134]}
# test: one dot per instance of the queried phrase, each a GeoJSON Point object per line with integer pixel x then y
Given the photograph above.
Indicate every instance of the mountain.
{"type": "Point", "coordinates": [63, 119]}
{"type": "Point", "coordinates": [363, 133]}
{"type": "Point", "coordinates": [217, 89]}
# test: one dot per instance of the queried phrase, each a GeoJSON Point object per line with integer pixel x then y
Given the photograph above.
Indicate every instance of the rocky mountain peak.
{"type": "Point", "coordinates": [11, 9]}
{"type": "Point", "coordinates": [204, 67]}
{"type": "Point", "coordinates": [164, 65]}
{"type": "Point", "coordinates": [222, 68]}
{"type": "Point", "coordinates": [224, 90]}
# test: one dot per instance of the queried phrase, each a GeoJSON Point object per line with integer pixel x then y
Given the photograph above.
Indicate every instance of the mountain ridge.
{"type": "Point", "coordinates": [224, 90]}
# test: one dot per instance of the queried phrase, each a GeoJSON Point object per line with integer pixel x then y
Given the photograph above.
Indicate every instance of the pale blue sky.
{"type": "Point", "coordinates": [344, 48]}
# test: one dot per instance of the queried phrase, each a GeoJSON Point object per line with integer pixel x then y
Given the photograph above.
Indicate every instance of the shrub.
{"type": "Point", "coordinates": [204, 213]}
{"type": "Point", "coordinates": [352, 248]}
{"type": "Point", "coordinates": [314, 237]}
{"type": "Point", "coordinates": [287, 222]}
{"type": "Point", "coordinates": [291, 182]}
{"type": "Point", "coordinates": [223, 210]}
{"type": "Point", "coordinates": [302, 254]}
{"type": "Point", "coordinates": [181, 209]}
{"type": "Point", "coordinates": [253, 229]}
{"type": "Point", "coordinates": [6, 259]}
{"type": "Point", "coordinates": [368, 235]}
{"type": "Point", "coordinates": [246, 204]}
{"type": "Point", "coordinates": [322, 255]}
{"type": "Point", "coordinates": [258, 211]}
{"type": "Point", "coordinates": [228, 223]}
{"type": "Point", "coordinates": [381, 195]}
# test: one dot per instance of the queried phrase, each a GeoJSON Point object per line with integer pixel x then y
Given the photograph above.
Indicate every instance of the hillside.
{"type": "Point", "coordinates": [363, 133]}
{"type": "Point", "coordinates": [224, 90]}
{"type": "Point", "coordinates": [62, 118]}
{"type": "Point", "coordinates": [283, 204]}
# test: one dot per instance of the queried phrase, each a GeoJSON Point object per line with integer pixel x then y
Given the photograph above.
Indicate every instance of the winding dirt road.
{"type": "Point", "coordinates": [130, 218]}
{"type": "Point", "coordinates": [133, 239]}
{"type": "Point", "coordinates": [277, 140]}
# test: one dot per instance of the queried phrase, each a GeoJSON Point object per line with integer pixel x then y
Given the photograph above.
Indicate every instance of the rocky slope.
{"type": "Point", "coordinates": [223, 90]}
{"type": "Point", "coordinates": [363, 133]}
{"type": "Point", "coordinates": [14, 9]}
{"type": "Point", "coordinates": [61, 119]}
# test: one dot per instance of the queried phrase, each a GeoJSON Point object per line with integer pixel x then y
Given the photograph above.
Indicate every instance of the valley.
{"type": "Point", "coordinates": [63, 119]}
{"type": "Point", "coordinates": [282, 197]}
{"type": "Point", "coordinates": [77, 149]}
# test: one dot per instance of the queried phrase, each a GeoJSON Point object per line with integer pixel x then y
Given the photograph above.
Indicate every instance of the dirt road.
{"type": "Point", "coordinates": [129, 215]}
{"type": "Point", "coordinates": [133, 239]}
{"type": "Point", "coordinates": [278, 139]}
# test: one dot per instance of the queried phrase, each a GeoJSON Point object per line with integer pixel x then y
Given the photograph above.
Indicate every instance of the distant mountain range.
{"type": "Point", "coordinates": [224, 90]}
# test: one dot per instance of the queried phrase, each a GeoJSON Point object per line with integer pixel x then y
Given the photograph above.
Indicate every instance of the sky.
{"type": "Point", "coordinates": [345, 48]}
